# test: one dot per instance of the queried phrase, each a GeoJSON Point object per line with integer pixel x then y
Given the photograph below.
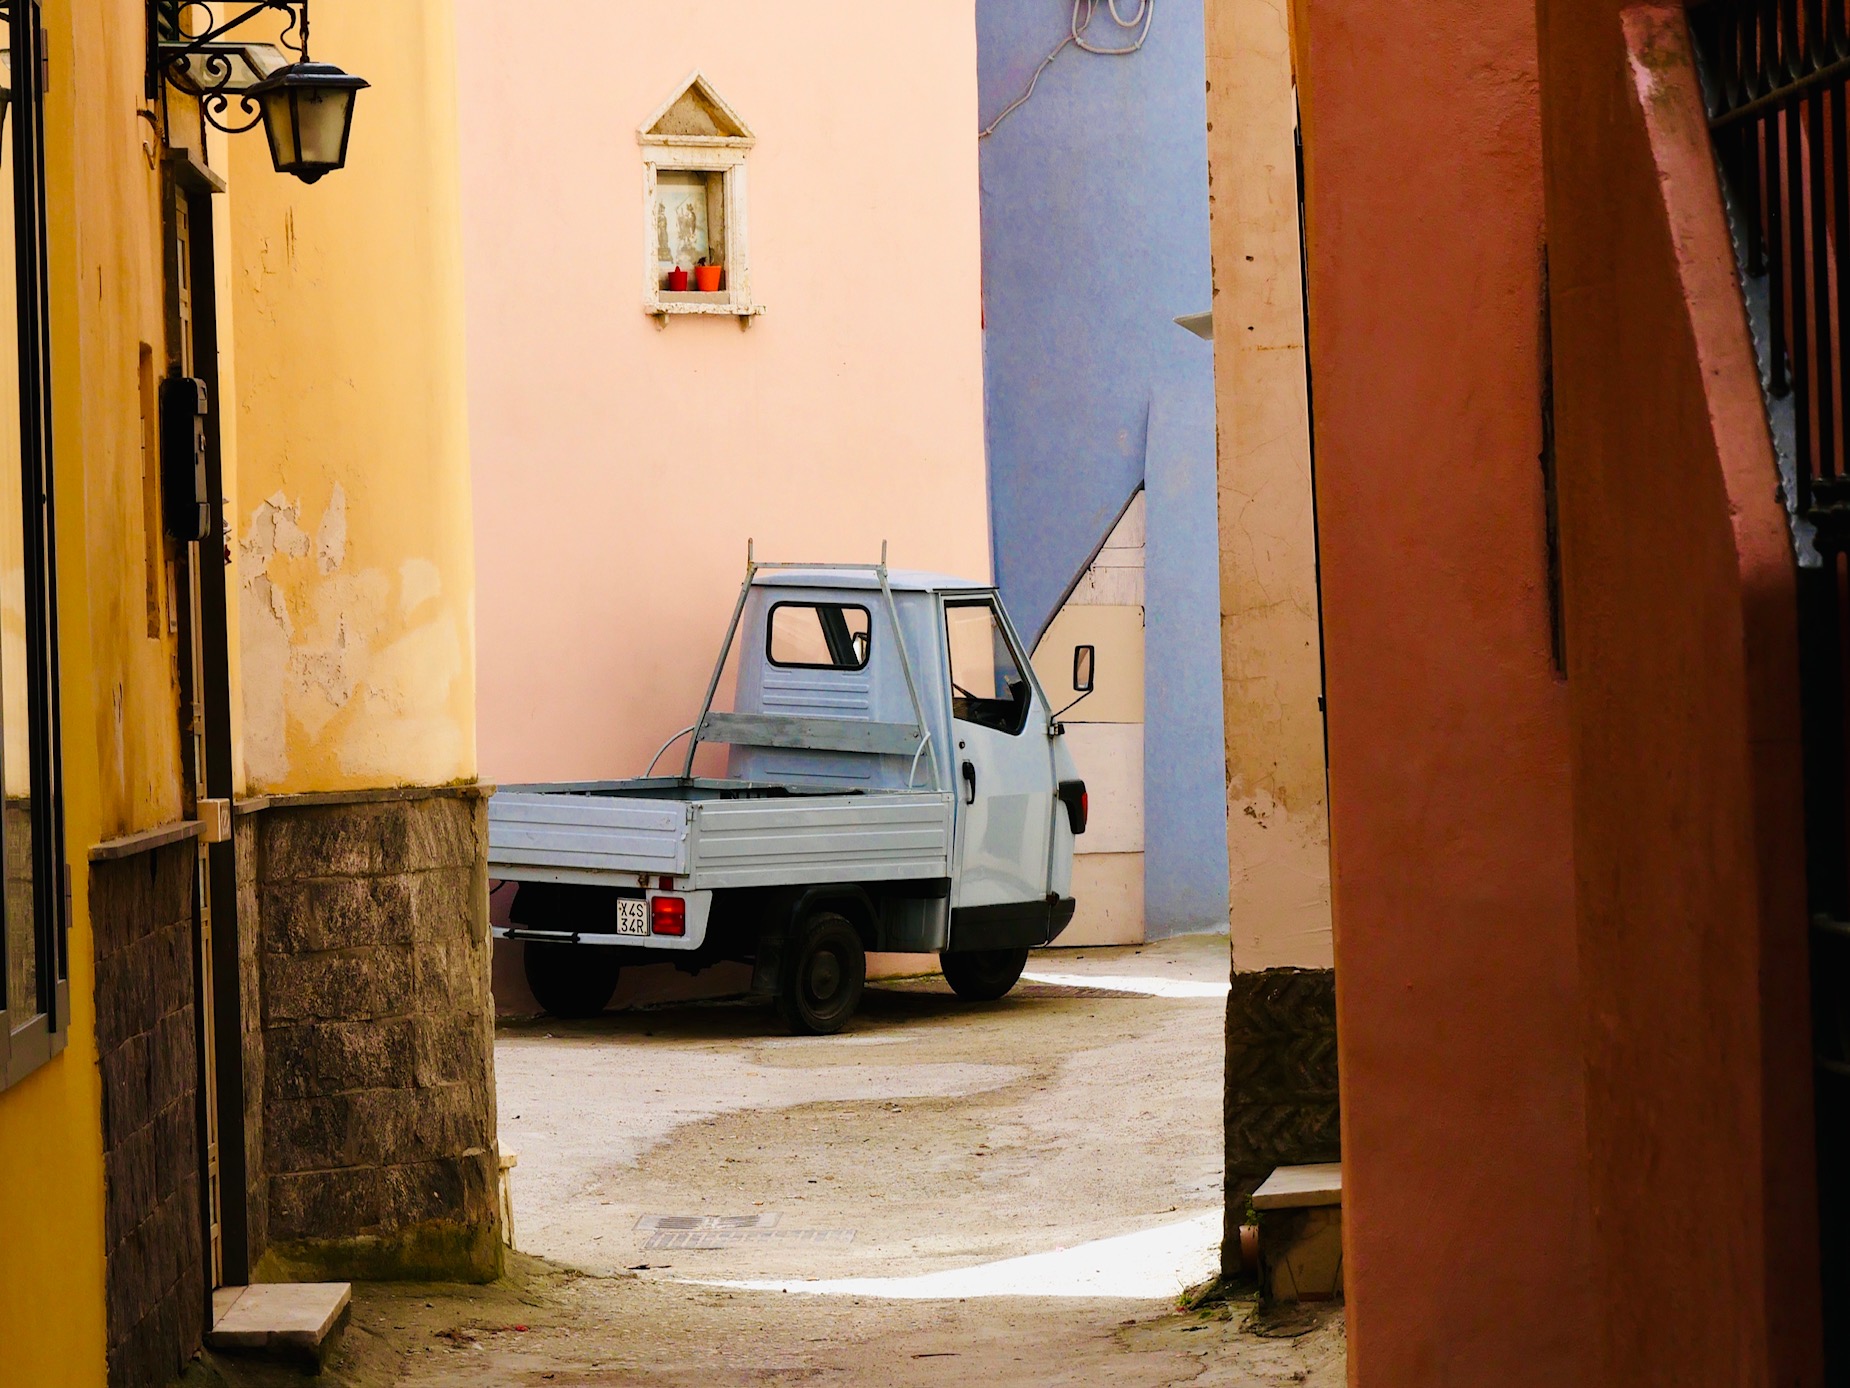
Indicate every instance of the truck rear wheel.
{"type": "Point", "coordinates": [571, 980]}
{"type": "Point", "coordinates": [983, 975]}
{"type": "Point", "coordinates": [825, 970]}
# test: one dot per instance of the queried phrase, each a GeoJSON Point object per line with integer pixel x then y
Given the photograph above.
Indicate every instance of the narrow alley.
{"type": "Point", "coordinates": [1018, 1192]}
{"type": "Point", "coordinates": [1009, 692]}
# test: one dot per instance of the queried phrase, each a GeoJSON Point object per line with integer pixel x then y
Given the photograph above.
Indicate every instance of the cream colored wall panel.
{"type": "Point", "coordinates": [1115, 578]}
{"type": "Point", "coordinates": [1272, 672]}
{"type": "Point", "coordinates": [1108, 888]}
{"type": "Point", "coordinates": [1110, 585]}
{"type": "Point", "coordinates": [1110, 758]}
{"type": "Point", "coordinates": [1116, 637]}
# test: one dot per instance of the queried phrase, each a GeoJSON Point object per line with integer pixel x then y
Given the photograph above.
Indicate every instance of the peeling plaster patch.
{"type": "Point", "coordinates": [323, 671]}
{"type": "Point", "coordinates": [331, 536]}
{"type": "Point", "coordinates": [402, 728]}
{"type": "Point", "coordinates": [265, 634]}
{"type": "Point", "coordinates": [275, 528]}
{"type": "Point", "coordinates": [336, 671]}
{"type": "Point", "coordinates": [418, 582]}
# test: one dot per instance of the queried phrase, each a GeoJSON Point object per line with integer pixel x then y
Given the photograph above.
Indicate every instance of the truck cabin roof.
{"type": "Point", "coordinates": [899, 580]}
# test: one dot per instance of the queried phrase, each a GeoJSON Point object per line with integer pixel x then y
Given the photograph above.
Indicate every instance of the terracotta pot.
{"type": "Point", "coordinates": [677, 280]}
{"type": "Point", "coordinates": [706, 278]}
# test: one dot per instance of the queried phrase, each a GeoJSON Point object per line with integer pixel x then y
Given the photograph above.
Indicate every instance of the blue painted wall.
{"type": "Point", "coordinates": [1095, 238]}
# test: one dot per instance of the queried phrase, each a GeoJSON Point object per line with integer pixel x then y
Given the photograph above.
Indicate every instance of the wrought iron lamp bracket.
{"type": "Point", "coordinates": [172, 51]}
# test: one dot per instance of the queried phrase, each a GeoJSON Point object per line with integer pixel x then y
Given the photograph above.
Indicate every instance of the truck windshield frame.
{"type": "Point", "coordinates": [1005, 714]}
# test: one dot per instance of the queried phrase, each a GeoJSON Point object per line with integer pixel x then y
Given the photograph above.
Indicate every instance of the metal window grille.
{"type": "Point", "coordinates": [1775, 73]}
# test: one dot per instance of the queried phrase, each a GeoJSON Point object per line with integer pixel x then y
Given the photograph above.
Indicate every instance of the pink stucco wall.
{"type": "Point", "coordinates": [620, 467]}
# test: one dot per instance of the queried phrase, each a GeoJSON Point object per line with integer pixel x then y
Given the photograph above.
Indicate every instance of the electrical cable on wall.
{"type": "Point", "coordinates": [1076, 36]}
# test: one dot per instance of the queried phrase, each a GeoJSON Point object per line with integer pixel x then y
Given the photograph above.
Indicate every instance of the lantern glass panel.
{"type": "Point", "coordinates": [321, 118]}
{"type": "Point", "coordinates": [279, 126]}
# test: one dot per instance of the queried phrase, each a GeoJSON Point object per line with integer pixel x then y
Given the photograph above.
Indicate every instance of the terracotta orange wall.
{"type": "Point", "coordinates": [1684, 659]}
{"type": "Point", "coordinates": [1465, 1206]}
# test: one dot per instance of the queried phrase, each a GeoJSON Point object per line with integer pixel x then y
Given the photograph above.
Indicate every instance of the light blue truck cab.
{"type": "Point", "coordinates": [896, 781]}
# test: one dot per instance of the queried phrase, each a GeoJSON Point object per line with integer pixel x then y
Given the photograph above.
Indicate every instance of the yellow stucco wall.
{"type": "Point", "coordinates": [355, 582]}
{"type": "Point", "coordinates": [1278, 833]}
{"type": "Point", "coordinates": [347, 480]}
{"type": "Point", "coordinates": [121, 736]}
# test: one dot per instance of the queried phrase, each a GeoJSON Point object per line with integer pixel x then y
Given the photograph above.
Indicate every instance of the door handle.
{"type": "Point", "coordinates": [969, 783]}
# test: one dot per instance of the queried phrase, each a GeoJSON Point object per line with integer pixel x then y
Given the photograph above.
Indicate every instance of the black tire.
{"type": "Point", "coordinates": [824, 973]}
{"type": "Point", "coordinates": [571, 980]}
{"type": "Point", "coordinates": [983, 975]}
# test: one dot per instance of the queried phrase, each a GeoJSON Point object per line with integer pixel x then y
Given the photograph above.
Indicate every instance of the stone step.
{"type": "Point", "coordinates": [1301, 1187]}
{"type": "Point", "coordinates": [1301, 1233]}
{"type": "Point", "coordinates": [295, 1321]}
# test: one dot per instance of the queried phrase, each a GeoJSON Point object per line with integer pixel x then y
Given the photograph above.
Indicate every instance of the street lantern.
{"type": "Point", "coordinates": [308, 117]}
{"type": "Point", "coordinates": [306, 107]}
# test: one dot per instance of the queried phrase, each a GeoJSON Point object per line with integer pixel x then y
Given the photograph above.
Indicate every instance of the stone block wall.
{"type": "Point", "coordinates": [142, 909]}
{"type": "Point", "coordinates": [374, 1030]}
{"type": "Point", "coordinates": [1281, 1107]}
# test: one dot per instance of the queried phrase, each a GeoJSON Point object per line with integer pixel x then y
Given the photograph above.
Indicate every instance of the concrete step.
{"type": "Point", "coordinates": [295, 1321]}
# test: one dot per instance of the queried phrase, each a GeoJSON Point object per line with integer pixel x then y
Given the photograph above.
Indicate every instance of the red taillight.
{"type": "Point", "coordinates": [668, 915]}
{"type": "Point", "coordinates": [1085, 809]}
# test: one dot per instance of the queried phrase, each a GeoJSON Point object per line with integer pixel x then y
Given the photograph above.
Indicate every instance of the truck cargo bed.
{"type": "Point", "coordinates": [716, 834]}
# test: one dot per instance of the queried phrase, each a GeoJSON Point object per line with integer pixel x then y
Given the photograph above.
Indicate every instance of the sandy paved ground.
{"type": "Point", "coordinates": [948, 1140]}
{"type": "Point", "coordinates": [938, 1132]}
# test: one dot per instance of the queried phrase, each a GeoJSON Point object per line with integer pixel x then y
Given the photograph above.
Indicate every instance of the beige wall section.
{"type": "Point", "coordinates": [1108, 866]}
{"type": "Point", "coordinates": [356, 586]}
{"type": "Point", "coordinates": [1110, 757]}
{"type": "Point", "coordinates": [1115, 575]}
{"type": "Point", "coordinates": [620, 467]}
{"type": "Point", "coordinates": [1116, 637]}
{"type": "Point", "coordinates": [1109, 889]}
{"type": "Point", "coordinates": [1277, 823]}
{"type": "Point", "coordinates": [1105, 731]}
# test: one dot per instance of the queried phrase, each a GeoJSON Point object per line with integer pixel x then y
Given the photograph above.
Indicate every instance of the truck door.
{"type": "Point", "coordinates": [1004, 778]}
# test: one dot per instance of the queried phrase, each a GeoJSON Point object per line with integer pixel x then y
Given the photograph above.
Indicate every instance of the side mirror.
{"type": "Point", "coordinates": [1083, 657]}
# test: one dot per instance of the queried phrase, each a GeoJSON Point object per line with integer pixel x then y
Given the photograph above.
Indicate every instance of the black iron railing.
{"type": "Point", "coordinates": [1776, 73]}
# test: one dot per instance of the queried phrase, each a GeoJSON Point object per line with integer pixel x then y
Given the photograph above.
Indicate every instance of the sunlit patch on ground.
{"type": "Point", "coordinates": [1152, 1264]}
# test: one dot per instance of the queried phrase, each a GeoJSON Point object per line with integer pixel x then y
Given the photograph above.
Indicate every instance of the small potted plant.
{"type": "Point", "coordinates": [677, 280]}
{"type": "Point", "coordinates": [706, 277]}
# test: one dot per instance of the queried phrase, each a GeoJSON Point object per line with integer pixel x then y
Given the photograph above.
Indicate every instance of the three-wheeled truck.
{"type": "Point", "coordinates": [896, 781]}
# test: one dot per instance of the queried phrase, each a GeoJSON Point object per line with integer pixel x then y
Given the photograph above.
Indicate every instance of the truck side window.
{"type": "Point", "coordinates": [818, 636]}
{"type": "Point", "coordinates": [987, 686]}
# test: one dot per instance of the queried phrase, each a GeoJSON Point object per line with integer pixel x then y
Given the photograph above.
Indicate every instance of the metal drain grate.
{"type": "Point", "coordinates": [735, 1238]}
{"type": "Point", "coordinates": [703, 1222]}
{"type": "Point", "coordinates": [1027, 988]}
{"type": "Point", "coordinates": [1030, 989]}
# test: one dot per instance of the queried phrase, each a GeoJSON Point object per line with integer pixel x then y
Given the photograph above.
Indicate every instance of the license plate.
{"type": "Point", "coordinates": [632, 916]}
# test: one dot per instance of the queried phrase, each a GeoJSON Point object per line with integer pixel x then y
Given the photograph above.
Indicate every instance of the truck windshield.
{"type": "Point", "coordinates": [987, 685]}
